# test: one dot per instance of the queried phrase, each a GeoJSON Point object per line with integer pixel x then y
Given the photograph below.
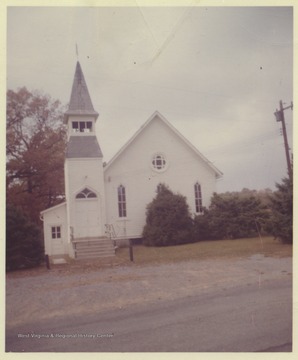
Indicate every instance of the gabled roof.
{"type": "Point", "coordinates": [80, 102]}
{"type": "Point", "coordinates": [53, 208]}
{"type": "Point", "coordinates": [218, 173]}
{"type": "Point", "coordinates": [83, 147]}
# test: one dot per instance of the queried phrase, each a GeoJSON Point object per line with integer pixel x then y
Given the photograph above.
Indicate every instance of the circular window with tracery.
{"type": "Point", "coordinates": [159, 162]}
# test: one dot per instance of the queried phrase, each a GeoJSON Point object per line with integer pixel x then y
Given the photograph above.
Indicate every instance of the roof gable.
{"type": "Point", "coordinates": [53, 208]}
{"type": "Point", "coordinates": [157, 115]}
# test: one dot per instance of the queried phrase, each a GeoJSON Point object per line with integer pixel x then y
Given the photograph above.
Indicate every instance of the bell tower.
{"type": "Point", "coordinates": [84, 181]}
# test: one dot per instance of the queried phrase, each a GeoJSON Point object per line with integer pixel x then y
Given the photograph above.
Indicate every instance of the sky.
{"type": "Point", "coordinates": [216, 73]}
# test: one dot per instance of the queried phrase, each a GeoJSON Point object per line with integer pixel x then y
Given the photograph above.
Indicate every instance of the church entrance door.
{"type": "Point", "coordinates": [88, 221]}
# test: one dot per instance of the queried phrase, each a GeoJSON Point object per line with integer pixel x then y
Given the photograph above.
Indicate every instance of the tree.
{"type": "Point", "coordinates": [23, 241]}
{"type": "Point", "coordinates": [168, 220]}
{"type": "Point", "coordinates": [281, 222]}
{"type": "Point", "coordinates": [36, 139]}
{"type": "Point", "coordinates": [231, 215]}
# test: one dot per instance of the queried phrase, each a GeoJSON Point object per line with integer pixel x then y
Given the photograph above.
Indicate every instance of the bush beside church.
{"type": "Point", "coordinates": [230, 216]}
{"type": "Point", "coordinates": [168, 220]}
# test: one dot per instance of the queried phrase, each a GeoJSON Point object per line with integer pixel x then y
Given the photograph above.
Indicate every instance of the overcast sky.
{"type": "Point", "coordinates": [216, 73]}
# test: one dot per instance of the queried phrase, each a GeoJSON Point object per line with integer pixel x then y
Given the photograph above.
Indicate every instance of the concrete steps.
{"type": "Point", "coordinates": [92, 248]}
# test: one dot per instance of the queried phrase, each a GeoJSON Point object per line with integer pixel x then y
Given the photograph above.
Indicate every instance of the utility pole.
{"type": "Point", "coordinates": [279, 115]}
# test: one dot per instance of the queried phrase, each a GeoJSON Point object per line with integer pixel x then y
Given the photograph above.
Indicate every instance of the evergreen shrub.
{"type": "Point", "coordinates": [168, 220]}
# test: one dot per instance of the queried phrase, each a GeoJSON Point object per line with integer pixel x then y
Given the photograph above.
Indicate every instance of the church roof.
{"type": "Point", "coordinates": [83, 147]}
{"type": "Point", "coordinates": [80, 102]}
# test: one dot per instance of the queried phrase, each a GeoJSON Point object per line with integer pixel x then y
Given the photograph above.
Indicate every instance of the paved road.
{"type": "Point", "coordinates": [240, 319]}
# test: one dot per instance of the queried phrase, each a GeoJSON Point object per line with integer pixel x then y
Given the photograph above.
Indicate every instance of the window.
{"type": "Point", "coordinates": [158, 162]}
{"type": "Point", "coordinates": [121, 201]}
{"type": "Point", "coordinates": [56, 232]}
{"type": "Point", "coordinates": [86, 194]}
{"type": "Point", "coordinates": [198, 198]}
{"type": "Point", "coordinates": [159, 187]}
{"type": "Point", "coordinates": [75, 126]}
{"type": "Point", "coordinates": [82, 126]}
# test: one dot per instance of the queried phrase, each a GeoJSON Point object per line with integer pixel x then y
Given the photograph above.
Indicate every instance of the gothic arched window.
{"type": "Point", "coordinates": [159, 188]}
{"type": "Point", "coordinates": [198, 198]}
{"type": "Point", "coordinates": [121, 201]}
{"type": "Point", "coordinates": [86, 194]}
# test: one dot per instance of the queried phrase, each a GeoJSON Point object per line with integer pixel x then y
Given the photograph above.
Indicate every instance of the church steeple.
{"type": "Point", "coordinates": [80, 118]}
{"type": "Point", "coordinates": [83, 165]}
{"type": "Point", "coordinates": [80, 102]}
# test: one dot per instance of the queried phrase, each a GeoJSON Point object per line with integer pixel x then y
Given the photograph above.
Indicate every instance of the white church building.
{"type": "Point", "coordinates": [106, 203]}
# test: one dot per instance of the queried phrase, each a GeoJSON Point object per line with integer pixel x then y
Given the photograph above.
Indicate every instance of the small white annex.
{"type": "Point", "coordinates": [106, 203]}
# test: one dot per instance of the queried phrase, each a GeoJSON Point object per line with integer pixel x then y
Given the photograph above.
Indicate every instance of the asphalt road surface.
{"type": "Point", "coordinates": [241, 319]}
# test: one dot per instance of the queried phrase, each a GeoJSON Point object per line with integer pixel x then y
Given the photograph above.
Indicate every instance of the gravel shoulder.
{"type": "Point", "coordinates": [47, 294]}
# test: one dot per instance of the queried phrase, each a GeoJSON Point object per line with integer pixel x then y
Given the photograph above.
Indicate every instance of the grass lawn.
{"type": "Point", "coordinates": [143, 255]}
{"type": "Point", "coordinates": [206, 250]}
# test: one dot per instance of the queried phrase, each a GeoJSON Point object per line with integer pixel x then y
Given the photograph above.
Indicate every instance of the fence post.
{"type": "Point", "coordinates": [47, 262]}
{"type": "Point", "coordinates": [130, 250]}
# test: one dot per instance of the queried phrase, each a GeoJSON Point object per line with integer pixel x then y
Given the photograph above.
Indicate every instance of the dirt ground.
{"type": "Point", "coordinates": [43, 294]}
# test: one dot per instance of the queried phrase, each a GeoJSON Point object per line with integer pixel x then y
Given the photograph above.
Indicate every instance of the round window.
{"type": "Point", "coordinates": [159, 162]}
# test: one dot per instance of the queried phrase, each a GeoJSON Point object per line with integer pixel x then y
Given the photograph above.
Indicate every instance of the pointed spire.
{"type": "Point", "coordinates": [80, 102]}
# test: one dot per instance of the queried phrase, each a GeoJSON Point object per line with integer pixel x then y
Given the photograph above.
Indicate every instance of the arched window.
{"type": "Point", "coordinates": [86, 194]}
{"type": "Point", "coordinates": [198, 198]}
{"type": "Point", "coordinates": [121, 201]}
{"type": "Point", "coordinates": [158, 188]}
